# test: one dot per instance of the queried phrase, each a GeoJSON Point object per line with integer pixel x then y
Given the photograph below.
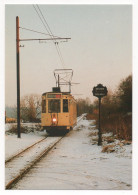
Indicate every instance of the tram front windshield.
{"type": "Point", "coordinates": [53, 106]}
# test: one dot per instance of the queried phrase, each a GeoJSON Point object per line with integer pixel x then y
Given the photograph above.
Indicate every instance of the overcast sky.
{"type": "Point", "coordinates": [100, 49]}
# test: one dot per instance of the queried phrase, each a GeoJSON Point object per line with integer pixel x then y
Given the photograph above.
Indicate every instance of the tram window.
{"type": "Point", "coordinates": [43, 106]}
{"type": "Point", "coordinates": [65, 105]}
{"type": "Point", "coordinates": [53, 106]}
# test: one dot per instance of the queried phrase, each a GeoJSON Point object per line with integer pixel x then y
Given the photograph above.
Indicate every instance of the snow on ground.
{"type": "Point", "coordinates": [23, 161]}
{"type": "Point", "coordinates": [77, 163]}
{"type": "Point", "coordinates": [14, 145]}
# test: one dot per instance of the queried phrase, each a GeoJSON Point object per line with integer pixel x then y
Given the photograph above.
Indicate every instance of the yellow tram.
{"type": "Point", "coordinates": [59, 113]}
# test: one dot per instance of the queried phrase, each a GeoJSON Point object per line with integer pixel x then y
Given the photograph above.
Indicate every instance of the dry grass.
{"type": "Point", "coordinates": [108, 148]}
{"type": "Point", "coordinates": [13, 130]}
{"type": "Point", "coordinates": [38, 127]}
{"type": "Point", "coordinates": [24, 129]}
{"type": "Point", "coordinates": [121, 144]}
{"type": "Point", "coordinates": [92, 127]}
{"type": "Point", "coordinates": [126, 142]}
{"type": "Point", "coordinates": [119, 125]}
{"type": "Point", "coordinates": [93, 134]}
{"type": "Point", "coordinates": [91, 116]}
{"type": "Point", "coordinates": [108, 139]}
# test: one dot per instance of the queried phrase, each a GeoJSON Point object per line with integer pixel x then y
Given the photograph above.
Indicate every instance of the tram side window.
{"type": "Point", "coordinates": [53, 106]}
{"type": "Point", "coordinates": [65, 105]}
{"type": "Point", "coordinates": [43, 106]}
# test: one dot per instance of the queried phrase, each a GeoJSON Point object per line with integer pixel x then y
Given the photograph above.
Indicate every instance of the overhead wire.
{"type": "Point", "coordinates": [41, 19]}
{"type": "Point", "coordinates": [50, 33]}
{"type": "Point", "coordinates": [44, 19]}
{"type": "Point", "coordinates": [45, 25]}
{"type": "Point", "coordinates": [38, 32]}
{"type": "Point", "coordinates": [60, 56]}
{"type": "Point", "coordinates": [56, 43]}
{"type": "Point", "coordinates": [60, 53]}
{"type": "Point", "coordinates": [53, 38]}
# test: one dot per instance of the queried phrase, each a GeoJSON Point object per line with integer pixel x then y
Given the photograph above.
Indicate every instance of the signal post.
{"type": "Point", "coordinates": [99, 91]}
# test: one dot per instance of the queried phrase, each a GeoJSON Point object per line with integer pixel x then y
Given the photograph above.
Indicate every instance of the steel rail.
{"type": "Point", "coordinates": [30, 165]}
{"type": "Point", "coordinates": [26, 149]}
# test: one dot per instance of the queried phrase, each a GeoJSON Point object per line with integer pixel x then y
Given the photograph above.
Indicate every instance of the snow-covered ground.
{"type": "Point", "coordinates": [77, 162]}
{"type": "Point", "coordinates": [16, 167]}
{"type": "Point", "coordinates": [14, 145]}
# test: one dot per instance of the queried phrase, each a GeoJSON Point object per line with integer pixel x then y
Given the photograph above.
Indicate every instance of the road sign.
{"type": "Point", "coordinates": [99, 91]}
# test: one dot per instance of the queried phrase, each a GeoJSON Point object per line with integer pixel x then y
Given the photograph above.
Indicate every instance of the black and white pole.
{"type": "Point", "coordinates": [99, 91]}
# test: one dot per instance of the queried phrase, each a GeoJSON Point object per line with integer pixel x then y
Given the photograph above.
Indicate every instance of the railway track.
{"type": "Point", "coordinates": [17, 166]}
{"type": "Point", "coordinates": [26, 149]}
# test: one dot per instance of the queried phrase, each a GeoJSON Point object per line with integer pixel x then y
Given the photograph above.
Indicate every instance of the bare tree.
{"type": "Point", "coordinates": [30, 107]}
{"type": "Point", "coordinates": [84, 106]}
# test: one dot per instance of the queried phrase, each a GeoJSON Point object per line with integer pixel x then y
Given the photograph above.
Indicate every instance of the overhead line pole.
{"type": "Point", "coordinates": [18, 76]}
{"type": "Point", "coordinates": [18, 69]}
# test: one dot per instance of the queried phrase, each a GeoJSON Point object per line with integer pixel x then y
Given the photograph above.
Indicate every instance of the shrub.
{"type": "Point", "coordinates": [116, 111]}
{"type": "Point", "coordinates": [13, 130]}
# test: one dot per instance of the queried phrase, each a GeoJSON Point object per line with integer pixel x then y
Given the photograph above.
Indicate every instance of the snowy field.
{"type": "Point", "coordinates": [77, 162]}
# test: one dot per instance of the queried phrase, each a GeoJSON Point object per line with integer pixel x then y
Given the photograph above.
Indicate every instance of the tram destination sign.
{"type": "Point", "coordinates": [99, 91]}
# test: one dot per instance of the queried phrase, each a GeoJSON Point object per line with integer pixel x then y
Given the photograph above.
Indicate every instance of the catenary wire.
{"type": "Point", "coordinates": [38, 32]}
{"type": "Point", "coordinates": [50, 32]}
{"type": "Point", "coordinates": [56, 43]}
{"type": "Point", "coordinates": [41, 19]}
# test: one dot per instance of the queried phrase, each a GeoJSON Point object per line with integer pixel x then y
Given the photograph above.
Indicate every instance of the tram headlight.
{"type": "Point", "coordinates": [54, 120]}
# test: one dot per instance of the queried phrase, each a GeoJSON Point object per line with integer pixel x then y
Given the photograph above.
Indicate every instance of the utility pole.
{"type": "Point", "coordinates": [18, 68]}
{"type": "Point", "coordinates": [18, 75]}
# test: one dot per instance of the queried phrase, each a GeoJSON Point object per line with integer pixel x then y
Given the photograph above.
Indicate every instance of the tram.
{"type": "Point", "coordinates": [59, 113]}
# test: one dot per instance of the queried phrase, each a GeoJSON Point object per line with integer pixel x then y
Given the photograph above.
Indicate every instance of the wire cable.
{"type": "Point", "coordinates": [51, 34]}
{"type": "Point", "coordinates": [38, 32]}
{"type": "Point", "coordinates": [56, 44]}
{"type": "Point", "coordinates": [60, 54]}
{"type": "Point", "coordinates": [41, 19]}
{"type": "Point", "coordinates": [47, 29]}
{"type": "Point", "coordinates": [44, 20]}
